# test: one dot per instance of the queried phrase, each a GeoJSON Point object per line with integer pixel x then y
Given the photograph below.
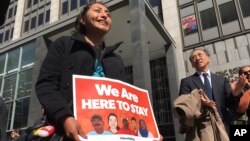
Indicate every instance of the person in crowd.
{"type": "Point", "coordinates": [3, 120]}
{"type": "Point", "coordinates": [113, 123]}
{"type": "Point", "coordinates": [42, 120]}
{"type": "Point", "coordinates": [143, 130]}
{"type": "Point", "coordinates": [83, 53]}
{"type": "Point", "coordinates": [241, 87]}
{"type": "Point", "coordinates": [134, 125]}
{"type": "Point", "coordinates": [216, 88]}
{"type": "Point", "coordinates": [16, 136]}
{"type": "Point", "coordinates": [98, 125]}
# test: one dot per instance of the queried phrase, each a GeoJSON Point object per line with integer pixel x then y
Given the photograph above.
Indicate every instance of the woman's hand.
{"type": "Point", "coordinates": [73, 129]}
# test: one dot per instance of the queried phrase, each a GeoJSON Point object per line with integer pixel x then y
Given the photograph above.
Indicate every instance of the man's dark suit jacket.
{"type": "Point", "coordinates": [226, 103]}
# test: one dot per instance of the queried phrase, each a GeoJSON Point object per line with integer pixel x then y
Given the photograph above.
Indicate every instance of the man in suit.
{"type": "Point", "coordinates": [219, 93]}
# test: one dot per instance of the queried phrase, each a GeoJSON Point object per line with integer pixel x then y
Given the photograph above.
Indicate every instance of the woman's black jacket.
{"type": "Point", "coordinates": [70, 55]}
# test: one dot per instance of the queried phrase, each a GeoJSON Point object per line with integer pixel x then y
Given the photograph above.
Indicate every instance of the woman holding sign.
{"type": "Point", "coordinates": [84, 53]}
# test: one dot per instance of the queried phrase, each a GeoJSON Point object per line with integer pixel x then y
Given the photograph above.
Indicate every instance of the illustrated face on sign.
{"type": "Point", "coordinates": [143, 124]}
{"type": "Point", "coordinates": [97, 124]}
{"type": "Point", "coordinates": [112, 121]}
{"type": "Point", "coordinates": [133, 123]}
{"type": "Point", "coordinates": [125, 123]}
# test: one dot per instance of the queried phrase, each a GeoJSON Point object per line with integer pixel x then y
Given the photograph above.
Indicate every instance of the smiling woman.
{"type": "Point", "coordinates": [84, 53]}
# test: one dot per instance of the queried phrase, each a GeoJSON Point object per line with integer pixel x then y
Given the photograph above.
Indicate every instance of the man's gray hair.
{"type": "Point", "coordinates": [204, 50]}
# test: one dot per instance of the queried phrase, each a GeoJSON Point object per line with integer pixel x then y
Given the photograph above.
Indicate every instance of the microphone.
{"type": "Point", "coordinates": [44, 131]}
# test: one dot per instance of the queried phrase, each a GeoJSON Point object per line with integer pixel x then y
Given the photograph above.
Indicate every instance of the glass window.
{"type": "Point", "coordinates": [47, 18]}
{"type": "Point", "coordinates": [244, 4]}
{"type": "Point", "coordinates": [35, 2]}
{"type": "Point", "coordinates": [228, 12]}
{"type": "Point", "coordinates": [17, 85]}
{"type": "Point", "coordinates": [208, 22]}
{"type": "Point", "coordinates": [9, 87]}
{"type": "Point", "coordinates": [1, 38]}
{"type": "Point", "coordinates": [9, 113]}
{"type": "Point", "coordinates": [40, 19]}
{"type": "Point", "coordinates": [21, 113]}
{"type": "Point", "coordinates": [65, 7]}
{"type": "Point", "coordinates": [155, 2]}
{"type": "Point", "coordinates": [189, 24]}
{"type": "Point", "coordinates": [1, 82]}
{"type": "Point", "coordinates": [13, 58]}
{"type": "Point", "coordinates": [26, 26]}
{"type": "Point", "coordinates": [11, 33]}
{"type": "Point", "coordinates": [2, 63]}
{"type": "Point", "coordinates": [28, 54]}
{"type": "Point", "coordinates": [33, 23]}
{"type": "Point", "coordinates": [82, 2]}
{"type": "Point", "coordinates": [181, 2]}
{"type": "Point", "coordinates": [7, 34]}
{"type": "Point", "coordinates": [28, 3]}
{"type": "Point", "coordinates": [15, 10]}
{"type": "Point", "coordinates": [25, 83]}
{"type": "Point", "coordinates": [10, 13]}
{"type": "Point", "coordinates": [73, 5]}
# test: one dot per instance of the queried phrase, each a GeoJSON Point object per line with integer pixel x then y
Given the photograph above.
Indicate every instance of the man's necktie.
{"type": "Point", "coordinates": [208, 87]}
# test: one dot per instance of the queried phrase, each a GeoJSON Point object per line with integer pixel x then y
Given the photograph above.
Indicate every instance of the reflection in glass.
{"type": "Point", "coordinates": [73, 5]}
{"type": "Point", "coordinates": [244, 4]}
{"type": "Point", "coordinates": [228, 12]}
{"type": "Point", "coordinates": [28, 54]}
{"type": "Point", "coordinates": [65, 7]}
{"type": "Point", "coordinates": [13, 57]}
{"type": "Point", "coordinates": [9, 87]}
{"type": "Point", "coordinates": [189, 24]}
{"type": "Point", "coordinates": [9, 113]}
{"type": "Point", "coordinates": [21, 113]}
{"type": "Point", "coordinates": [24, 84]}
{"type": "Point", "coordinates": [1, 82]}
{"type": "Point", "coordinates": [208, 22]}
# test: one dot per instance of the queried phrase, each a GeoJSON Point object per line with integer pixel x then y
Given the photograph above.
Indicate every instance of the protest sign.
{"type": "Point", "coordinates": [109, 109]}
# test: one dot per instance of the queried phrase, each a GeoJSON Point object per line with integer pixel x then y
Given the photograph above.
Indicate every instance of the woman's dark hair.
{"type": "Point", "coordinates": [79, 27]}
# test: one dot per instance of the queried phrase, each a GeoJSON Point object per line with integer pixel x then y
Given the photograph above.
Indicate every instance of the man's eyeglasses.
{"type": "Point", "coordinates": [246, 72]}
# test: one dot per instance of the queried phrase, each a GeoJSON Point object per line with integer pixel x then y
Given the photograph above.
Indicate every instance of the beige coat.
{"type": "Point", "coordinates": [199, 123]}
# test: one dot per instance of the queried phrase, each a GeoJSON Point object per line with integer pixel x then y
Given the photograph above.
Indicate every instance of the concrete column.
{"type": "Point", "coordinates": [141, 69]}
{"type": "Point", "coordinates": [19, 19]}
{"type": "Point", "coordinates": [174, 83]}
{"type": "Point", "coordinates": [34, 109]}
{"type": "Point", "coordinates": [54, 11]}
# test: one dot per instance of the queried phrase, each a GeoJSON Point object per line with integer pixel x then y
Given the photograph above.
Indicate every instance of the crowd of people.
{"type": "Point", "coordinates": [85, 53]}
